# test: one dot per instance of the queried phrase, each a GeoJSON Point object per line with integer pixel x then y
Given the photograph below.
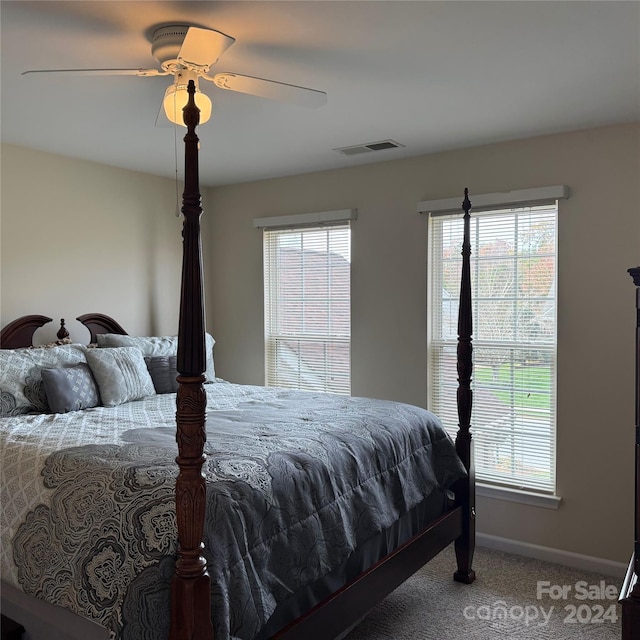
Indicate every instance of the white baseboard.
{"type": "Point", "coordinates": [549, 554]}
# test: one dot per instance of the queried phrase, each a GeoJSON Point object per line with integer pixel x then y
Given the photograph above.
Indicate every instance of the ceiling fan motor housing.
{"type": "Point", "coordinates": [166, 43]}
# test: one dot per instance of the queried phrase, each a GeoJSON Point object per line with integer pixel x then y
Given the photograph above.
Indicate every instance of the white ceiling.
{"type": "Point", "coordinates": [430, 75]}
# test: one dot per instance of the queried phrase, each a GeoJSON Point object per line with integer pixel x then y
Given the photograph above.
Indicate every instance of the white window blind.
{"type": "Point", "coordinates": [307, 283]}
{"type": "Point", "coordinates": [513, 268]}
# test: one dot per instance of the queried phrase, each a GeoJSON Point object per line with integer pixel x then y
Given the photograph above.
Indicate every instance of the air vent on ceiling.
{"type": "Point", "coordinates": [370, 146]}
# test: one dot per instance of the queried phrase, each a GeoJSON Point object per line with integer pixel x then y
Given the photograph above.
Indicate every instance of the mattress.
{"type": "Point", "coordinates": [302, 490]}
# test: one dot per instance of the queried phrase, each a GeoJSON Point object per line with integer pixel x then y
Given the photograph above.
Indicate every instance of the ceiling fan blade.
{"type": "Point", "coordinates": [271, 89]}
{"type": "Point", "coordinates": [203, 47]}
{"type": "Point", "coordinates": [101, 72]}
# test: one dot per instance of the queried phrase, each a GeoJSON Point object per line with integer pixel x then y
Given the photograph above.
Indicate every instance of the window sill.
{"type": "Point", "coordinates": [518, 495]}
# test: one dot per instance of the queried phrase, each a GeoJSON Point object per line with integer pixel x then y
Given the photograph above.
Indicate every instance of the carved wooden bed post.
{"type": "Point", "coordinates": [465, 489]}
{"type": "Point", "coordinates": [190, 588]}
{"type": "Point", "coordinates": [630, 592]}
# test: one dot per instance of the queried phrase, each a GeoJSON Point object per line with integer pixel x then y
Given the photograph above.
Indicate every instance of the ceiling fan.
{"type": "Point", "coordinates": [187, 53]}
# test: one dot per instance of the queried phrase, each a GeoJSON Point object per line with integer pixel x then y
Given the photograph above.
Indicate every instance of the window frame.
{"type": "Point", "coordinates": [332, 375]}
{"type": "Point", "coordinates": [512, 490]}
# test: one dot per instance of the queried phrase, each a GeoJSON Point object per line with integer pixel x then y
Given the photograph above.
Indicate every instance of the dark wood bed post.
{"type": "Point", "coordinates": [630, 592]}
{"type": "Point", "coordinates": [465, 489]}
{"type": "Point", "coordinates": [190, 587]}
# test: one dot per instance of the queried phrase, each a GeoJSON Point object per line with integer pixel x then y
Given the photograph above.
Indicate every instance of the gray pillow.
{"type": "Point", "coordinates": [163, 371]}
{"type": "Point", "coordinates": [70, 388]}
{"type": "Point", "coordinates": [158, 346]}
{"type": "Point", "coordinates": [121, 374]}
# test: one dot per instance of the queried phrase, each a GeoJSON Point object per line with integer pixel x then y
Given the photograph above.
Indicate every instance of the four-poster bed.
{"type": "Point", "coordinates": [318, 601]}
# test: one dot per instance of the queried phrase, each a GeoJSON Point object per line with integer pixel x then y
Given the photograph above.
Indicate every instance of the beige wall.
{"type": "Point", "coordinates": [79, 237]}
{"type": "Point", "coordinates": [599, 238]}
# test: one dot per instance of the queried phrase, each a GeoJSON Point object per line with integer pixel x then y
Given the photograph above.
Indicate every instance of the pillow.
{"type": "Point", "coordinates": [70, 388]}
{"type": "Point", "coordinates": [121, 375]}
{"type": "Point", "coordinates": [21, 389]}
{"type": "Point", "coordinates": [163, 371]}
{"type": "Point", "coordinates": [158, 346]}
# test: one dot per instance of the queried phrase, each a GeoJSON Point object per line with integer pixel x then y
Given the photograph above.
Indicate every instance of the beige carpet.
{"type": "Point", "coordinates": [502, 604]}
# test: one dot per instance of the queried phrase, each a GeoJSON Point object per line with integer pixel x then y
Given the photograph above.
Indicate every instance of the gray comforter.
{"type": "Point", "coordinates": [296, 481]}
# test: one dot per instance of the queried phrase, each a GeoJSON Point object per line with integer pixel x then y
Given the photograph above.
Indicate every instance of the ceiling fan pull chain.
{"type": "Point", "coordinates": [175, 155]}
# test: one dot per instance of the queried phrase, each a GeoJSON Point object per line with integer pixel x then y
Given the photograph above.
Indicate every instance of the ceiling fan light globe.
{"type": "Point", "coordinates": [176, 98]}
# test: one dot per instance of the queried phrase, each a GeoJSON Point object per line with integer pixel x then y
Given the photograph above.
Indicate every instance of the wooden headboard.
{"type": "Point", "coordinates": [19, 333]}
{"type": "Point", "coordinates": [99, 323]}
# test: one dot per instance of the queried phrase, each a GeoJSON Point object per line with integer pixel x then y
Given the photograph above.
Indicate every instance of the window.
{"type": "Point", "coordinates": [513, 269]}
{"type": "Point", "coordinates": [307, 284]}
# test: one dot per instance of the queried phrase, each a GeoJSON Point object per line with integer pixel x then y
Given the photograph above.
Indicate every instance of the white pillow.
{"type": "Point", "coordinates": [21, 389]}
{"type": "Point", "coordinates": [121, 375]}
{"type": "Point", "coordinates": [157, 346]}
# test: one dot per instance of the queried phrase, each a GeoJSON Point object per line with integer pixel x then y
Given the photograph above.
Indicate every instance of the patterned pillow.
{"type": "Point", "coordinates": [158, 346]}
{"type": "Point", "coordinates": [163, 371]}
{"type": "Point", "coordinates": [21, 389]}
{"type": "Point", "coordinates": [121, 375]}
{"type": "Point", "coordinates": [70, 388]}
